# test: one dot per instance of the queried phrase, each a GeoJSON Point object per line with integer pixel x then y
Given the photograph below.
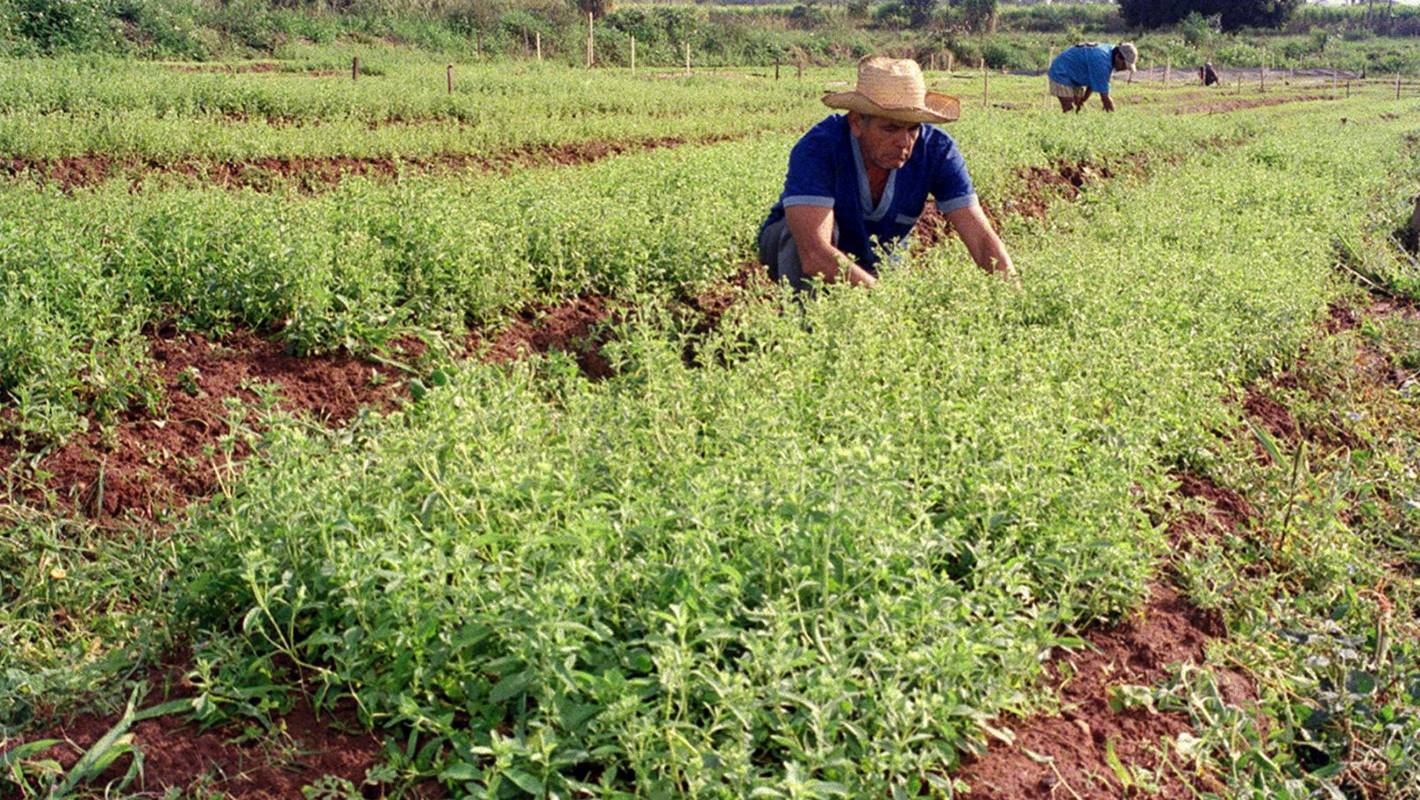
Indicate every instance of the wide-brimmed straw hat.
{"type": "Point", "coordinates": [894, 88]}
{"type": "Point", "coordinates": [1130, 54]}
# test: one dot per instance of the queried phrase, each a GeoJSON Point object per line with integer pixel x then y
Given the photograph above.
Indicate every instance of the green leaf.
{"type": "Point", "coordinates": [525, 781]}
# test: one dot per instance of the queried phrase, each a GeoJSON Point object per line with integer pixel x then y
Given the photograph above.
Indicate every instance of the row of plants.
{"type": "Point", "coordinates": [819, 563]}
{"type": "Point", "coordinates": [83, 274]}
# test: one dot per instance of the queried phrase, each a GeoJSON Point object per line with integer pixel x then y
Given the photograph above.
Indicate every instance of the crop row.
{"type": "Point", "coordinates": [83, 274]}
{"type": "Point", "coordinates": [814, 571]}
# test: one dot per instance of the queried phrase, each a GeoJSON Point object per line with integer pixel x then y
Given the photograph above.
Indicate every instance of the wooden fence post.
{"type": "Point", "coordinates": [450, 76]}
{"type": "Point", "coordinates": [985, 83]}
{"type": "Point", "coordinates": [537, 37]}
{"type": "Point", "coordinates": [951, 61]}
{"type": "Point", "coordinates": [633, 55]}
{"type": "Point", "coordinates": [776, 66]}
{"type": "Point", "coordinates": [591, 42]}
{"type": "Point", "coordinates": [355, 68]}
{"type": "Point", "coordinates": [1168, 71]}
{"type": "Point", "coordinates": [687, 57]}
{"type": "Point", "coordinates": [1397, 85]}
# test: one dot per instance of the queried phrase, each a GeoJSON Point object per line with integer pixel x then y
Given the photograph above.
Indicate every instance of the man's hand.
{"type": "Point", "coordinates": [982, 243]}
{"type": "Point", "coordinates": [812, 229]}
{"type": "Point", "coordinates": [1080, 101]}
{"type": "Point", "coordinates": [1107, 103]}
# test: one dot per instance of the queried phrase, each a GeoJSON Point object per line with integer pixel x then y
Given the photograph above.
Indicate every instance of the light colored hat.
{"type": "Point", "coordinates": [894, 88]}
{"type": "Point", "coordinates": [1130, 54]}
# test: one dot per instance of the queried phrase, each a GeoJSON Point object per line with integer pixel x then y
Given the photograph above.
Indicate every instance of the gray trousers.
{"type": "Point", "coordinates": [780, 254]}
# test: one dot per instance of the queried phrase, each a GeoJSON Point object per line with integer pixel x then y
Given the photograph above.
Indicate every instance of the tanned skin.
{"type": "Point", "coordinates": [886, 145]}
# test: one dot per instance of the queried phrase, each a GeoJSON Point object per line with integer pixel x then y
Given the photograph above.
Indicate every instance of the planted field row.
{"type": "Point", "coordinates": [817, 570]}
{"type": "Point", "coordinates": [84, 274]}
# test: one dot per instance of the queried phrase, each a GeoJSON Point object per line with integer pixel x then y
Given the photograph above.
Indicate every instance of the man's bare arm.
{"type": "Point", "coordinates": [981, 241]}
{"type": "Point", "coordinates": [1106, 102]}
{"type": "Point", "coordinates": [1080, 101]}
{"type": "Point", "coordinates": [812, 229]}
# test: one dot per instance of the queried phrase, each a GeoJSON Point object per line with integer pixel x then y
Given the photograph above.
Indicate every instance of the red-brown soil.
{"type": "Point", "coordinates": [307, 749]}
{"type": "Point", "coordinates": [1066, 755]}
{"type": "Point", "coordinates": [578, 327]}
{"type": "Point", "coordinates": [313, 173]}
{"type": "Point", "coordinates": [145, 464]}
{"type": "Point", "coordinates": [1222, 106]}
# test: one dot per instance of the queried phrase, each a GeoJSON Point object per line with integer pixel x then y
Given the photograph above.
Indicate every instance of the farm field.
{"type": "Point", "coordinates": [360, 436]}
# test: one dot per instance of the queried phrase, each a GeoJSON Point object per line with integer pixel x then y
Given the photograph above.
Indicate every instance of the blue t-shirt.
{"type": "Point", "coordinates": [826, 170]}
{"type": "Point", "coordinates": [1084, 65]}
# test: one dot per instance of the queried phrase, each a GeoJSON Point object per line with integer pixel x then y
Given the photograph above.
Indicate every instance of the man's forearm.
{"type": "Point", "coordinates": [832, 265]}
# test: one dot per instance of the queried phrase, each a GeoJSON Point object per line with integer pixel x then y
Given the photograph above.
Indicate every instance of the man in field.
{"type": "Point", "coordinates": [1086, 68]}
{"type": "Point", "coordinates": [861, 179]}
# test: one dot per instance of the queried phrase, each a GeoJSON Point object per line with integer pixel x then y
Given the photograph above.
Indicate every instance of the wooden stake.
{"type": "Point", "coordinates": [776, 66]}
{"type": "Point", "coordinates": [799, 66]}
{"type": "Point", "coordinates": [633, 55]}
{"type": "Point", "coordinates": [1348, 90]}
{"type": "Point", "coordinates": [355, 68]}
{"type": "Point", "coordinates": [537, 37]}
{"type": "Point", "coordinates": [1397, 85]}
{"type": "Point", "coordinates": [985, 84]}
{"type": "Point", "coordinates": [951, 61]}
{"type": "Point", "coordinates": [687, 57]}
{"type": "Point", "coordinates": [1168, 71]}
{"type": "Point", "coordinates": [591, 42]}
{"type": "Point", "coordinates": [450, 76]}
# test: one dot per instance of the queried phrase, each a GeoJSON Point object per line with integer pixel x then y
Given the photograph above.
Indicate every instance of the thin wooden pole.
{"type": "Point", "coordinates": [951, 61]}
{"type": "Point", "coordinates": [1348, 90]}
{"type": "Point", "coordinates": [450, 75]}
{"type": "Point", "coordinates": [1262, 76]}
{"type": "Point", "coordinates": [591, 42]}
{"type": "Point", "coordinates": [537, 37]}
{"type": "Point", "coordinates": [1397, 85]}
{"type": "Point", "coordinates": [687, 56]}
{"type": "Point", "coordinates": [776, 66]}
{"type": "Point", "coordinates": [799, 67]}
{"type": "Point", "coordinates": [1168, 71]}
{"type": "Point", "coordinates": [633, 55]}
{"type": "Point", "coordinates": [985, 83]}
{"type": "Point", "coordinates": [355, 68]}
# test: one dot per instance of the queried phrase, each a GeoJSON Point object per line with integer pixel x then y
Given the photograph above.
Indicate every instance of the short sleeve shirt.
{"type": "Point", "coordinates": [826, 170]}
{"type": "Point", "coordinates": [1089, 65]}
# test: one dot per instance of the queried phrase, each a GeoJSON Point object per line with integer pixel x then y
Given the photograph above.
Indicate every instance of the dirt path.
{"type": "Point", "coordinates": [315, 173]}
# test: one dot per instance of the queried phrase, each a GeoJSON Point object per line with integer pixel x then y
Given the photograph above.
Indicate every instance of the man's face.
{"type": "Point", "coordinates": [886, 143]}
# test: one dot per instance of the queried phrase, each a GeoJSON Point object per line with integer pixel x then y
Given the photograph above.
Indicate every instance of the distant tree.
{"type": "Point", "coordinates": [1233, 14]}
{"type": "Point", "coordinates": [919, 10]}
{"type": "Point", "coordinates": [597, 8]}
{"type": "Point", "coordinates": [976, 13]}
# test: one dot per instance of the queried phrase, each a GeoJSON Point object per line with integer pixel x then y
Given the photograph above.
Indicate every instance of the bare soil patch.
{"type": "Point", "coordinates": [1070, 751]}
{"type": "Point", "coordinates": [316, 173]}
{"type": "Point", "coordinates": [1067, 755]}
{"type": "Point", "coordinates": [226, 759]}
{"type": "Point", "coordinates": [1222, 106]}
{"type": "Point", "coordinates": [145, 464]}
{"type": "Point", "coordinates": [578, 327]}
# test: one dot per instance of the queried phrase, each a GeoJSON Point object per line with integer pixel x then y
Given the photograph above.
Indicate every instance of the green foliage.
{"type": "Point", "coordinates": [821, 565]}
{"type": "Point", "coordinates": [1232, 13]}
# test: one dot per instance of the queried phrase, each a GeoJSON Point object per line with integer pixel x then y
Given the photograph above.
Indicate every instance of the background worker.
{"type": "Point", "coordinates": [1085, 68]}
{"type": "Point", "coordinates": [865, 176]}
{"type": "Point", "coordinates": [1206, 72]}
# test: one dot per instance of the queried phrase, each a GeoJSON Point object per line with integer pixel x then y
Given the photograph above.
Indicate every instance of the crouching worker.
{"type": "Point", "coordinates": [1085, 68]}
{"type": "Point", "coordinates": [865, 176]}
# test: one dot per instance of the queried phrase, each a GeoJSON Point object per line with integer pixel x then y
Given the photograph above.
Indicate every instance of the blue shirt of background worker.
{"type": "Point", "coordinates": [858, 183]}
{"type": "Point", "coordinates": [1085, 68]}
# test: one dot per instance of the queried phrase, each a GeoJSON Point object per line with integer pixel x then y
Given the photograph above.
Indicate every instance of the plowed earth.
{"type": "Point", "coordinates": [145, 463]}
{"type": "Point", "coordinates": [314, 173]}
{"type": "Point", "coordinates": [1069, 755]}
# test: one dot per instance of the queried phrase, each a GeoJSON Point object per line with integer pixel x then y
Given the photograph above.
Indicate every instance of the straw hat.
{"type": "Point", "coordinates": [894, 88]}
{"type": "Point", "coordinates": [1130, 54]}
